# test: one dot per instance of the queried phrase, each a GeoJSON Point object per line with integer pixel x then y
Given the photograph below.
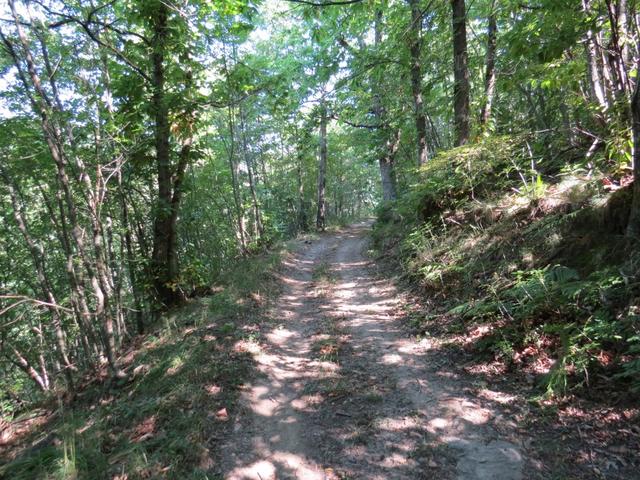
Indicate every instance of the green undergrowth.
{"type": "Point", "coordinates": [167, 419]}
{"type": "Point", "coordinates": [532, 255]}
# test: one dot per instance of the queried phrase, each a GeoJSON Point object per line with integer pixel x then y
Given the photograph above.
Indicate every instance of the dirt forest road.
{"type": "Point", "coordinates": [344, 392]}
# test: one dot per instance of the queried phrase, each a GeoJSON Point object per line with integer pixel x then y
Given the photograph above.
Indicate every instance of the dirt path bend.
{"type": "Point", "coordinates": [343, 393]}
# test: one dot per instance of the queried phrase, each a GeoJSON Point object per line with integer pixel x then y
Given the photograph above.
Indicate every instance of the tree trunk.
{"type": "Point", "coordinates": [607, 76]}
{"type": "Point", "coordinates": [77, 297]}
{"type": "Point", "coordinates": [415, 50]}
{"type": "Point", "coordinates": [131, 264]}
{"type": "Point", "coordinates": [387, 168]}
{"type": "Point", "coordinates": [53, 131]}
{"type": "Point", "coordinates": [322, 168]}
{"type": "Point", "coordinates": [490, 68]}
{"type": "Point", "coordinates": [617, 52]}
{"type": "Point", "coordinates": [387, 160]}
{"type": "Point", "coordinates": [594, 77]}
{"type": "Point", "coordinates": [163, 260]}
{"type": "Point", "coordinates": [40, 379]}
{"type": "Point", "coordinates": [460, 73]}
{"type": "Point", "coordinates": [178, 180]}
{"type": "Point", "coordinates": [302, 213]}
{"type": "Point", "coordinates": [248, 161]}
{"type": "Point", "coordinates": [235, 185]}
{"type": "Point", "coordinates": [633, 227]}
{"type": "Point", "coordinates": [38, 259]}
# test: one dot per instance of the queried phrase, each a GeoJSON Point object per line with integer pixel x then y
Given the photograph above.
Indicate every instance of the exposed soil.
{"type": "Point", "coordinates": [344, 392]}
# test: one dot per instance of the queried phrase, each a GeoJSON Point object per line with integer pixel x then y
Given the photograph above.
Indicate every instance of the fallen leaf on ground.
{"type": "Point", "coordinates": [222, 415]}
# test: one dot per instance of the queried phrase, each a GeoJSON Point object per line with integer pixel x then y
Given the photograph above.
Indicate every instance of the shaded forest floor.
{"type": "Point", "coordinates": [310, 370]}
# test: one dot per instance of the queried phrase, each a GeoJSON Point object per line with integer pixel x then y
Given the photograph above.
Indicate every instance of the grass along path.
{"type": "Point", "coordinates": [169, 420]}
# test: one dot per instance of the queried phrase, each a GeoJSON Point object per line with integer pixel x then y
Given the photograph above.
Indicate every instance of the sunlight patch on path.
{"type": "Point", "coordinates": [378, 411]}
{"type": "Point", "coordinates": [458, 422]}
{"type": "Point", "coordinates": [270, 440]}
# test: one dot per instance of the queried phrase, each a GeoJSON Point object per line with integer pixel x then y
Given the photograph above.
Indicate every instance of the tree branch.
{"type": "Point", "coordinates": [86, 26]}
{"type": "Point", "coordinates": [22, 299]}
{"type": "Point", "coordinates": [325, 4]}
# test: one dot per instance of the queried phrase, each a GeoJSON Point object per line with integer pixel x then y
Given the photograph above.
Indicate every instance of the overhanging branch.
{"type": "Point", "coordinates": [329, 3]}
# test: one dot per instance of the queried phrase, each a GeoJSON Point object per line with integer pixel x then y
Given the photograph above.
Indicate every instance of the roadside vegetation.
{"type": "Point", "coordinates": [168, 417]}
{"type": "Point", "coordinates": [527, 266]}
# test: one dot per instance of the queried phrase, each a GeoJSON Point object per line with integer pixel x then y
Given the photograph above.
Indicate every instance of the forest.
{"type": "Point", "coordinates": [182, 181]}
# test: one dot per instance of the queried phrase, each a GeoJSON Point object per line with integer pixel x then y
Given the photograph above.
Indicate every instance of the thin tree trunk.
{"type": "Point", "coordinates": [20, 361]}
{"type": "Point", "coordinates": [302, 213]}
{"type": "Point", "coordinates": [387, 160]}
{"type": "Point", "coordinates": [42, 361]}
{"type": "Point", "coordinates": [257, 216]}
{"type": "Point", "coordinates": [461, 86]}
{"type": "Point", "coordinates": [607, 75]}
{"type": "Point", "coordinates": [435, 138]}
{"type": "Point", "coordinates": [387, 168]}
{"type": "Point", "coordinates": [594, 77]}
{"type": "Point", "coordinates": [617, 54]}
{"type": "Point", "coordinates": [322, 168]}
{"type": "Point", "coordinates": [77, 297]}
{"type": "Point", "coordinates": [233, 164]}
{"type": "Point", "coordinates": [131, 264]}
{"type": "Point", "coordinates": [490, 68]}
{"type": "Point", "coordinates": [184, 158]}
{"type": "Point", "coordinates": [625, 38]}
{"type": "Point", "coordinates": [237, 199]}
{"type": "Point", "coordinates": [37, 257]}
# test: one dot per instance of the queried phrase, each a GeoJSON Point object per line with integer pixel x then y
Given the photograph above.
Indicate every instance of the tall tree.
{"type": "Point", "coordinates": [322, 167]}
{"type": "Point", "coordinates": [391, 138]}
{"type": "Point", "coordinates": [490, 67]}
{"type": "Point", "coordinates": [169, 174]}
{"type": "Point", "coordinates": [594, 77]}
{"type": "Point", "coordinates": [461, 87]}
{"type": "Point", "coordinates": [84, 261]}
{"type": "Point", "coordinates": [415, 50]}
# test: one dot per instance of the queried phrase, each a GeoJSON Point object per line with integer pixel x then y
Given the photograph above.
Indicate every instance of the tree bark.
{"type": "Point", "coordinates": [387, 168]}
{"type": "Point", "coordinates": [40, 379]}
{"type": "Point", "coordinates": [163, 259]}
{"type": "Point", "coordinates": [302, 213]}
{"type": "Point", "coordinates": [248, 161]}
{"type": "Point", "coordinates": [387, 159]}
{"type": "Point", "coordinates": [490, 68]}
{"type": "Point", "coordinates": [594, 77]}
{"type": "Point", "coordinates": [460, 73]}
{"type": "Point", "coordinates": [235, 185]}
{"type": "Point", "coordinates": [131, 264]}
{"type": "Point", "coordinates": [633, 227]}
{"type": "Point", "coordinates": [415, 50]}
{"type": "Point", "coordinates": [322, 168]}
{"type": "Point", "coordinates": [617, 52]}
